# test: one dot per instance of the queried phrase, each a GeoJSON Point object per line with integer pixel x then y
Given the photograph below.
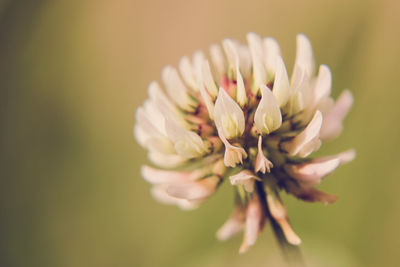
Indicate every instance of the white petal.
{"type": "Point", "coordinates": [230, 52]}
{"type": "Point", "coordinates": [310, 147]}
{"type": "Point", "coordinates": [217, 57]}
{"type": "Point", "coordinates": [257, 56]}
{"type": "Point", "coordinates": [165, 107]}
{"type": "Point", "coordinates": [176, 90]}
{"type": "Point", "coordinates": [157, 176]}
{"type": "Point", "coordinates": [333, 121]}
{"type": "Point", "coordinates": [157, 95]}
{"type": "Point", "coordinates": [304, 86]}
{"type": "Point", "coordinates": [140, 135]}
{"type": "Point", "coordinates": [241, 95]}
{"type": "Point", "coordinates": [262, 164]}
{"type": "Point", "coordinates": [268, 116]}
{"type": "Point", "coordinates": [344, 157]}
{"type": "Point", "coordinates": [194, 190]}
{"type": "Point", "coordinates": [232, 226]}
{"type": "Point", "coordinates": [296, 100]}
{"type": "Point", "coordinates": [271, 52]}
{"type": "Point", "coordinates": [245, 178]}
{"type": "Point", "coordinates": [154, 139]}
{"type": "Point", "coordinates": [304, 55]}
{"type": "Point", "coordinates": [209, 80]}
{"type": "Point", "coordinates": [245, 60]}
{"type": "Point", "coordinates": [228, 115]}
{"type": "Point", "coordinates": [311, 173]}
{"type": "Point", "coordinates": [185, 68]}
{"type": "Point", "coordinates": [279, 213]}
{"type": "Point", "coordinates": [208, 101]}
{"type": "Point", "coordinates": [323, 84]}
{"type": "Point", "coordinates": [187, 143]}
{"type": "Point", "coordinates": [160, 194]}
{"type": "Point", "coordinates": [254, 217]}
{"type": "Point", "coordinates": [198, 59]}
{"type": "Point", "coordinates": [166, 160]}
{"type": "Point", "coordinates": [281, 89]}
{"type": "Point", "coordinates": [308, 135]}
{"type": "Point", "coordinates": [154, 115]}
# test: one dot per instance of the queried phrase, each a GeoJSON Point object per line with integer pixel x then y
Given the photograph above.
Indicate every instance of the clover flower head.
{"type": "Point", "coordinates": [241, 118]}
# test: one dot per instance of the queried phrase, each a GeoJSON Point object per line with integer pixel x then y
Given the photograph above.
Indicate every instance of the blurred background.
{"type": "Point", "coordinates": [72, 74]}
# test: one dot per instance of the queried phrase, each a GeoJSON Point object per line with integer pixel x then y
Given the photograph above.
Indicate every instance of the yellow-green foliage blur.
{"type": "Point", "coordinates": [72, 74]}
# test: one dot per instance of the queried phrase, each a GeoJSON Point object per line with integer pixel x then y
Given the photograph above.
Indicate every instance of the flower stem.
{"type": "Point", "coordinates": [291, 252]}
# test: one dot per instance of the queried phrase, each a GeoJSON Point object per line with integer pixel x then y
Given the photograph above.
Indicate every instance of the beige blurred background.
{"type": "Point", "coordinates": [72, 74]}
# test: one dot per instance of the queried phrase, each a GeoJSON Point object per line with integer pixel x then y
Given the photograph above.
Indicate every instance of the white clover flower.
{"type": "Point", "coordinates": [242, 117]}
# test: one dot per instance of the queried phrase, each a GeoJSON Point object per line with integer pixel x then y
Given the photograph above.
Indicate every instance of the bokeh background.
{"type": "Point", "coordinates": [72, 73]}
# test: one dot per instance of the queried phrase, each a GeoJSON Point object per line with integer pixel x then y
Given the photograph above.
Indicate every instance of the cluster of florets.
{"type": "Point", "coordinates": [241, 118]}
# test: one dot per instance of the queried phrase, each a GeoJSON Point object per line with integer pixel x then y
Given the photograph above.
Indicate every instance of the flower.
{"type": "Point", "coordinates": [242, 118]}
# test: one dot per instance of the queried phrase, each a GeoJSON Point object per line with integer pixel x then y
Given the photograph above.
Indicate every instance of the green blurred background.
{"type": "Point", "coordinates": [72, 74]}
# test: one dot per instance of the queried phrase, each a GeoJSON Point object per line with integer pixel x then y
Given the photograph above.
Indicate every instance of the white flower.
{"type": "Point", "coordinates": [241, 110]}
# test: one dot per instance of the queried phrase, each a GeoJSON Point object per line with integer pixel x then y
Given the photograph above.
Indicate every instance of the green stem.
{"type": "Point", "coordinates": [291, 253]}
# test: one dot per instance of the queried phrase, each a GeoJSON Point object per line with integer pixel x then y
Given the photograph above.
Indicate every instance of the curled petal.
{"type": "Point", "coordinates": [306, 139]}
{"type": "Point", "coordinates": [312, 173]}
{"type": "Point", "coordinates": [278, 212]}
{"type": "Point", "coordinates": [254, 222]}
{"type": "Point", "coordinates": [176, 90]}
{"type": "Point", "coordinates": [332, 125]}
{"type": "Point", "coordinates": [245, 178]}
{"type": "Point", "coordinates": [268, 116]}
{"type": "Point", "coordinates": [232, 226]}
{"type": "Point", "coordinates": [197, 190]}
{"type": "Point", "coordinates": [262, 164]}
{"type": "Point", "coordinates": [228, 115]}
{"type": "Point", "coordinates": [233, 154]}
